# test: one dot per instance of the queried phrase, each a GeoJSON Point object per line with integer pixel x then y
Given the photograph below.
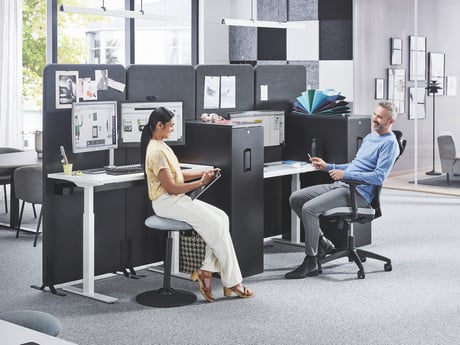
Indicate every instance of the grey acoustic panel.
{"type": "Point", "coordinates": [335, 40]}
{"type": "Point", "coordinates": [335, 9]}
{"type": "Point", "coordinates": [244, 88]}
{"type": "Point", "coordinates": [163, 83]}
{"type": "Point", "coordinates": [303, 10]}
{"type": "Point", "coordinates": [242, 43]}
{"type": "Point", "coordinates": [284, 84]}
{"type": "Point", "coordinates": [312, 72]}
{"type": "Point", "coordinates": [271, 44]}
{"type": "Point", "coordinates": [275, 10]}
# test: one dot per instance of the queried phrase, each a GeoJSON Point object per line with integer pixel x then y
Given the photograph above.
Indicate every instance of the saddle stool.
{"type": "Point", "coordinates": [166, 296]}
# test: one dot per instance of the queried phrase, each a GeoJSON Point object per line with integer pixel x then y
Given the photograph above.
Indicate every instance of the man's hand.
{"type": "Point", "coordinates": [318, 163]}
{"type": "Point", "coordinates": [336, 175]}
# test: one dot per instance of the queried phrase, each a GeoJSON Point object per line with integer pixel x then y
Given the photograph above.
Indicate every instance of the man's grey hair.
{"type": "Point", "coordinates": [390, 107]}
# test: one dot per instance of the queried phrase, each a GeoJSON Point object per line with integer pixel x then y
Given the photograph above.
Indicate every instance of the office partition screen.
{"type": "Point", "coordinates": [134, 115]}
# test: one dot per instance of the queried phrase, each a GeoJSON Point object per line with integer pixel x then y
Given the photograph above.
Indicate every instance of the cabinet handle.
{"type": "Point", "coordinates": [247, 160]}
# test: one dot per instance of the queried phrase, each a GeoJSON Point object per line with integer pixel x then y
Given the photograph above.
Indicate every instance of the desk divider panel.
{"type": "Point", "coordinates": [63, 202]}
{"type": "Point", "coordinates": [163, 83]}
{"type": "Point", "coordinates": [278, 86]}
{"type": "Point", "coordinates": [243, 88]}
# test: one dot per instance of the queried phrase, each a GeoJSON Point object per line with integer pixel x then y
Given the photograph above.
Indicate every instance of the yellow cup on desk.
{"type": "Point", "coordinates": [67, 169]}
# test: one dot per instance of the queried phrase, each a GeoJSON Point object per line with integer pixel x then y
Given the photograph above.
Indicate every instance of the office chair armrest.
{"type": "Point", "coordinates": [353, 200]}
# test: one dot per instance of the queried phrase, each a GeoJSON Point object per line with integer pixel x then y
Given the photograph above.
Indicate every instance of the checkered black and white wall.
{"type": "Point", "coordinates": [325, 47]}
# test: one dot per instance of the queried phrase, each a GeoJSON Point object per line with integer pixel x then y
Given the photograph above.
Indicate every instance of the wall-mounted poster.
{"type": "Point", "coordinates": [397, 88]}
{"type": "Point", "coordinates": [417, 58]}
{"type": "Point", "coordinates": [66, 88]}
{"type": "Point", "coordinates": [417, 103]}
{"type": "Point", "coordinates": [379, 88]}
{"type": "Point", "coordinates": [396, 51]}
{"type": "Point", "coordinates": [437, 71]}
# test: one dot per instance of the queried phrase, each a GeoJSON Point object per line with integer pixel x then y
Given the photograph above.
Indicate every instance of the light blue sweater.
{"type": "Point", "coordinates": [373, 162]}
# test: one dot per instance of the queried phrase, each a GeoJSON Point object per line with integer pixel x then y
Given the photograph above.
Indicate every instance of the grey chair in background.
{"type": "Point", "coordinates": [5, 174]}
{"type": "Point", "coordinates": [33, 319]}
{"type": "Point", "coordinates": [28, 185]}
{"type": "Point", "coordinates": [450, 163]}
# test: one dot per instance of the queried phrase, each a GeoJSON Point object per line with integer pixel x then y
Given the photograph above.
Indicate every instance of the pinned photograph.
{"type": "Point", "coordinates": [66, 89]}
{"type": "Point", "coordinates": [102, 79]}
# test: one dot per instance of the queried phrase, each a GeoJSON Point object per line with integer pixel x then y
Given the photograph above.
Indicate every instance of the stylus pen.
{"type": "Point", "coordinates": [309, 156]}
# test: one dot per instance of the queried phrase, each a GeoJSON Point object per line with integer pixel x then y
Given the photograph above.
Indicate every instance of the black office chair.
{"type": "Point", "coordinates": [166, 296]}
{"type": "Point", "coordinates": [347, 216]}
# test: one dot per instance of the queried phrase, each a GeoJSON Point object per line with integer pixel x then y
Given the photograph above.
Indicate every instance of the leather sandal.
{"type": "Point", "coordinates": [204, 279]}
{"type": "Point", "coordinates": [240, 290]}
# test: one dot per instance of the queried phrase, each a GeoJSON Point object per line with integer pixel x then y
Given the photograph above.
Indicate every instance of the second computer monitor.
{"type": "Point", "coordinates": [134, 115]}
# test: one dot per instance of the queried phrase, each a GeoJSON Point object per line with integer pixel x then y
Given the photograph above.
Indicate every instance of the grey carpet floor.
{"type": "Point", "coordinates": [417, 303]}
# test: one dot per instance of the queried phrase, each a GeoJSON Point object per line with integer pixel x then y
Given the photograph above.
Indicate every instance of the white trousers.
{"type": "Point", "coordinates": [212, 224]}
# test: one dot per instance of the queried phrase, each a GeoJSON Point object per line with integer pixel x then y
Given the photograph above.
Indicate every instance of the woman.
{"type": "Point", "coordinates": [166, 186]}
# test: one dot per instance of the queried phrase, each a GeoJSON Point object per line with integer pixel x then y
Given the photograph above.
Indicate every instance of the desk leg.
{"type": "Point", "coordinates": [14, 205]}
{"type": "Point", "coordinates": [88, 252]}
{"type": "Point", "coordinates": [295, 221]}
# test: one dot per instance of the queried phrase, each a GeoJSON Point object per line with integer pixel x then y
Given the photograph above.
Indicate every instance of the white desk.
{"type": "Point", "coordinates": [88, 182]}
{"type": "Point", "coordinates": [276, 169]}
{"type": "Point", "coordinates": [12, 334]}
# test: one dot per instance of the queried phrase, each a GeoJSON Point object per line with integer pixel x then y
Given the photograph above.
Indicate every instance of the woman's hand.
{"type": "Point", "coordinates": [209, 175]}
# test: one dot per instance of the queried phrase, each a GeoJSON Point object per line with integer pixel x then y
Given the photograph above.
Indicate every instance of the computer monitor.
{"type": "Point", "coordinates": [134, 115]}
{"type": "Point", "coordinates": [94, 126]}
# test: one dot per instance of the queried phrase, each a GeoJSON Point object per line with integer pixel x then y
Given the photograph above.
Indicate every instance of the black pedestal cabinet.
{"type": "Point", "coordinates": [237, 149]}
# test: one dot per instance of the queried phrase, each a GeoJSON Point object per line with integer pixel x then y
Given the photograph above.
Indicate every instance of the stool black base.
{"type": "Point", "coordinates": [166, 298]}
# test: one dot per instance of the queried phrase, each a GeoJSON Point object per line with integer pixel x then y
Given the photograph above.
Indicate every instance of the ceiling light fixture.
{"type": "Point", "coordinates": [103, 11]}
{"type": "Point", "coordinates": [264, 24]}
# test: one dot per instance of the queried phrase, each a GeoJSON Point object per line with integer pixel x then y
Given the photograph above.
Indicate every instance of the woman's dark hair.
{"type": "Point", "coordinates": [160, 114]}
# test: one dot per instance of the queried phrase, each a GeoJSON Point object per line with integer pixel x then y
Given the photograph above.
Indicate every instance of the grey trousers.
{"type": "Point", "coordinates": [308, 203]}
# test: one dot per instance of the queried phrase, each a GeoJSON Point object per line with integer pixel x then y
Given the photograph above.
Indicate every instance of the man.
{"type": "Point", "coordinates": [372, 164]}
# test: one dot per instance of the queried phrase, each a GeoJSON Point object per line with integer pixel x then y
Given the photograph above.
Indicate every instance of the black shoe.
{"type": "Point", "coordinates": [325, 247]}
{"type": "Point", "coordinates": [308, 268]}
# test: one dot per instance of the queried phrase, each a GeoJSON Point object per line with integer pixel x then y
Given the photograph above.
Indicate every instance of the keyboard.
{"type": "Point", "coordinates": [123, 169]}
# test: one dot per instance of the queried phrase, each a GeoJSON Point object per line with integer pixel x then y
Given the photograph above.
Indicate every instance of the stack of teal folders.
{"type": "Point", "coordinates": [315, 101]}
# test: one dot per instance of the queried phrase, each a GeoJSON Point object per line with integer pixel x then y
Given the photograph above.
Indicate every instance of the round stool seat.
{"type": "Point", "coordinates": [166, 224]}
{"type": "Point", "coordinates": [166, 296]}
{"type": "Point", "coordinates": [36, 320]}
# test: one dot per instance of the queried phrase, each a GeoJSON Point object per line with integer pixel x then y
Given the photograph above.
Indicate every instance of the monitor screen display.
{"type": "Point", "coordinates": [134, 115]}
{"type": "Point", "coordinates": [94, 126]}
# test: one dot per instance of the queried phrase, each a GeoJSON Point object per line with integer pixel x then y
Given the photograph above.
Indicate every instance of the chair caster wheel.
{"type": "Point", "coordinates": [361, 275]}
{"type": "Point", "coordinates": [320, 270]}
{"type": "Point", "coordinates": [362, 258]}
{"type": "Point", "coordinates": [387, 267]}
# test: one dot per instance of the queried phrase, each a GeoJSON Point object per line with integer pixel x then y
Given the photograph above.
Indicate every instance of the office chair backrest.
{"type": "Point", "coordinates": [446, 147]}
{"type": "Point", "coordinates": [401, 142]}
{"type": "Point", "coordinates": [375, 204]}
{"type": "Point", "coordinates": [7, 171]}
{"type": "Point", "coordinates": [28, 184]}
